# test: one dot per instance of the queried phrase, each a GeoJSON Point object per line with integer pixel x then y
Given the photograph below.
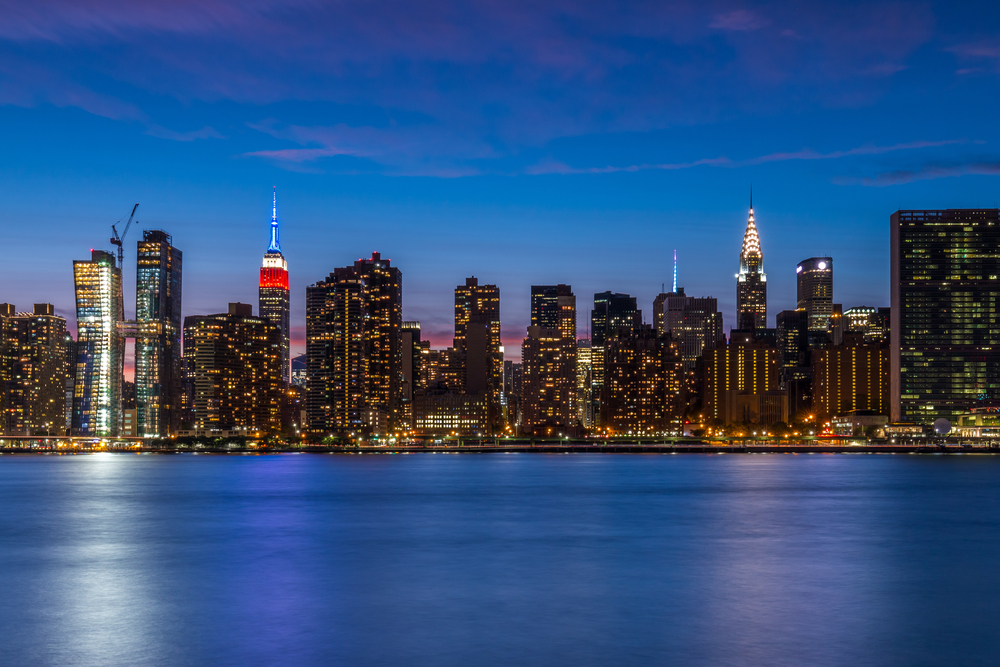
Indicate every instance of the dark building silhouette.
{"type": "Point", "coordinates": [751, 281]}
{"type": "Point", "coordinates": [158, 370]}
{"type": "Point", "coordinates": [273, 293]}
{"type": "Point", "coordinates": [477, 339]}
{"type": "Point", "coordinates": [354, 349]}
{"type": "Point", "coordinates": [944, 332]}
{"type": "Point", "coordinates": [234, 362]}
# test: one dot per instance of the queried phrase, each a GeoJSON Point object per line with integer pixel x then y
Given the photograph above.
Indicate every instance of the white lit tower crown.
{"type": "Point", "coordinates": [274, 299]}
{"type": "Point", "coordinates": [751, 281]}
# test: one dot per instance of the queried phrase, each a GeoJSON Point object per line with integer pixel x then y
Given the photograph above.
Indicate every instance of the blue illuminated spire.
{"type": "Point", "coordinates": [675, 271]}
{"type": "Point", "coordinates": [274, 246]}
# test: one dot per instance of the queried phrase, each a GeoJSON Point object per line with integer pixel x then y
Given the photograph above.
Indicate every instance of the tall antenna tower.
{"type": "Point", "coordinates": [675, 271]}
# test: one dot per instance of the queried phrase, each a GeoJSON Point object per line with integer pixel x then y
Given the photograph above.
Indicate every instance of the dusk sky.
{"type": "Point", "coordinates": [520, 142]}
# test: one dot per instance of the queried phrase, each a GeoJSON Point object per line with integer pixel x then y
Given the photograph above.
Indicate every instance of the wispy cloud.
{"type": "Point", "coordinates": [927, 172]}
{"type": "Point", "coordinates": [164, 133]}
{"type": "Point", "coordinates": [804, 154]}
{"type": "Point", "coordinates": [739, 20]}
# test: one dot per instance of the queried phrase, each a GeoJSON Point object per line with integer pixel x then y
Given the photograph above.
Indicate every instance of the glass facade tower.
{"type": "Point", "coordinates": [158, 335]}
{"type": "Point", "coordinates": [814, 288]}
{"type": "Point", "coordinates": [945, 328]}
{"type": "Point", "coordinates": [100, 346]}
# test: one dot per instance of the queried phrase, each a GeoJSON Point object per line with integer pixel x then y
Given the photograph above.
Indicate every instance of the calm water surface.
{"type": "Point", "coordinates": [496, 559]}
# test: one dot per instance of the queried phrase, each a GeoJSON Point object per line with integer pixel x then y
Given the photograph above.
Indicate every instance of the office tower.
{"type": "Point", "coordinates": [353, 347]}
{"type": "Point", "coordinates": [872, 323]}
{"type": "Point", "coordinates": [158, 335]}
{"type": "Point", "coordinates": [742, 383]}
{"type": "Point", "coordinates": [35, 363]}
{"type": "Point", "coordinates": [795, 358]}
{"type": "Point", "coordinates": [850, 377]}
{"type": "Point", "coordinates": [512, 392]}
{"type": "Point", "coordinates": [751, 281]}
{"type": "Point", "coordinates": [234, 360]}
{"type": "Point", "coordinates": [642, 382]}
{"type": "Point", "coordinates": [584, 402]}
{"type": "Point", "coordinates": [274, 298]}
{"type": "Point", "coordinates": [613, 314]}
{"type": "Point", "coordinates": [412, 352]}
{"type": "Point", "coordinates": [814, 287]}
{"type": "Point", "coordinates": [694, 323]}
{"type": "Point", "coordinates": [99, 346]}
{"type": "Point", "coordinates": [477, 339]}
{"type": "Point", "coordinates": [945, 285]}
{"type": "Point", "coordinates": [836, 326]}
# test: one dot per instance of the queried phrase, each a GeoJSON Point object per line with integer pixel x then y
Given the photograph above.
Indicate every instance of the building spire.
{"type": "Point", "coordinates": [751, 197]}
{"type": "Point", "coordinates": [675, 271]}
{"type": "Point", "coordinates": [275, 246]}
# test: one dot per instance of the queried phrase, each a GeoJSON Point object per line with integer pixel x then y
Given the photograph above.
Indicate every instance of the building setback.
{"type": "Point", "coordinates": [354, 349]}
{"type": "Point", "coordinates": [100, 347]}
{"type": "Point", "coordinates": [157, 335]}
{"type": "Point", "coordinates": [274, 301]}
{"type": "Point", "coordinates": [944, 332]}
{"type": "Point", "coordinates": [751, 281]}
{"type": "Point", "coordinates": [234, 361]}
{"type": "Point", "coordinates": [694, 323]}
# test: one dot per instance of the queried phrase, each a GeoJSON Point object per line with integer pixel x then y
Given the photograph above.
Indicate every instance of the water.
{"type": "Point", "coordinates": [498, 559]}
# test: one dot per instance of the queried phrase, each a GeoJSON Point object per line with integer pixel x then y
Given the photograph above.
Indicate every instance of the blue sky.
{"type": "Point", "coordinates": [521, 142]}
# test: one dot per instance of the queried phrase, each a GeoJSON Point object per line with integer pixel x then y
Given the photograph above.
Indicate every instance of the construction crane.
{"type": "Point", "coordinates": [119, 240]}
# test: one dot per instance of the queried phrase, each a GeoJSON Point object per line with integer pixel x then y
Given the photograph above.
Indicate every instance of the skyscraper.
{"type": "Point", "coordinates": [642, 382]}
{"type": "Point", "coordinates": [354, 353]}
{"type": "Point", "coordinates": [741, 383]}
{"type": "Point", "coordinates": [945, 330]}
{"type": "Point", "coordinates": [234, 360]}
{"type": "Point", "coordinates": [695, 323]}
{"type": "Point", "coordinates": [852, 376]}
{"type": "Point", "coordinates": [477, 340]}
{"type": "Point", "coordinates": [751, 281]}
{"type": "Point", "coordinates": [274, 301]}
{"type": "Point", "coordinates": [814, 287]}
{"type": "Point", "coordinates": [34, 366]}
{"type": "Point", "coordinates": [613, 315]}
{"type": "Point", "coordinates": [548, 359]}
{"type": "Point", "coordinates": [99, 348]}
{"type": "Point", "coordinates": [158, 335]}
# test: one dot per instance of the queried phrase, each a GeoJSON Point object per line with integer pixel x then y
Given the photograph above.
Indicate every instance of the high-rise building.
{"type": "Point", "coordinates": [795, 343]}
{"type": "Point", "coordinates": [613, 315]}
{"type": "Point", "coordinates": [945, 330]}
{"type": "Point", "coordinates": [742, 383]}
{"type": "Point", "coordinates": [642, 382]}
{"type": "Point", "coordinates": [584, 401]}
{"type": "Point", "coordinates": [100, 347]}
{"type": "Point", "coordinates": [35, 363]}
{"type": "Point", "coordinates": [548, 359]}
{"type": "Point", "coordinates": [477, 339]}
{"type": "Point", "coordinates": [158, 335]}
{"type": "Point", "coordinates": [274, 298]}
{"type": "Point", "coordinates": [851, 377]}
{"type": "Point", "coordinates": [512, 392]}
{"type": "Point", "coordinates": [751, 281]}
{"type": "Point", "coordinates": [234, 360]}
{"type": "Point", "coordinates": [814, 287]}
{"type": "Point", "coordinates": [354, 353]}
{"type": "Point", "coordinates": [694, 323]}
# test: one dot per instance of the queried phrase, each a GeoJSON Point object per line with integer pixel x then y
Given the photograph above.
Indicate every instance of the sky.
{"type": "Point", "coordinates": [522, 142]}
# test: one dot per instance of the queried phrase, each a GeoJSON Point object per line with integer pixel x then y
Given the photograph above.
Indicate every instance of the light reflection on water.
{"type": "Point", "coordinates": [499, 560]}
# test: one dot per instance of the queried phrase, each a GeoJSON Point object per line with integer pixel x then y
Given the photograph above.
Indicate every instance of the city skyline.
{"type": "Point", "coordinates": [651, 123]}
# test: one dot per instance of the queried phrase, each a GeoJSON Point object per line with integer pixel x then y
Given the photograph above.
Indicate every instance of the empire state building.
{"type": "Point", "coordinates": [751, 281]}
{"type": "Point", "coordinates": [274, 300]}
